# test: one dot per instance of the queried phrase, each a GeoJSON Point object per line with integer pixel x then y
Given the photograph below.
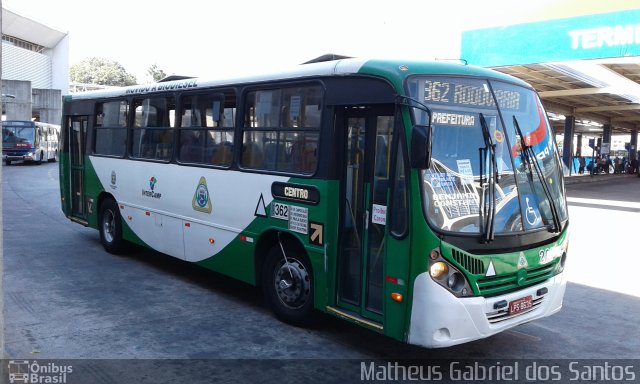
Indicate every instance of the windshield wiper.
{"type": "Point", "coordinates": [530, 158]}
{"type": "Point", "coordinates": [488, 206]}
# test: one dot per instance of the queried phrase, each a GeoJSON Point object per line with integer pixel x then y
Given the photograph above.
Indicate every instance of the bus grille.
{"type": "Point", "coordinates": [468, 262]}
{"type": "Point", "coordinates": [503, 284]}
{"type": "Point", "coordinates": [503, 314]}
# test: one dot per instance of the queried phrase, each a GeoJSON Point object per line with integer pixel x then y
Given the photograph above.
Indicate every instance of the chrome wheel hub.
{"type": "Point", "coordinates": [292, 283]}
{"type": "Point", "coordinates": [108, 226]}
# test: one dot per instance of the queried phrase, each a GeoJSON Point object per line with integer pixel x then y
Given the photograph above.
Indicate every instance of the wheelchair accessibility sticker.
{"type": "Point", "coordinates": [532, 212]}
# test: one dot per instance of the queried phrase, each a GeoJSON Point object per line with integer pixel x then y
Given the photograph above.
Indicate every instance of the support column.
{"type": "Point", "coordinates": [579, 145]}
{"type": "Point", "coordinates": [606, 133]}
{"type": "Point", "coordinates": [567, 146]}
{"type": "Point", "coordinates": [634, 144]}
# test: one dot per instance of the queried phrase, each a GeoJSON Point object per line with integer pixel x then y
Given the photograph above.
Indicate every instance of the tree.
{"type": "Point", "coordinates": [98, 70]}
{"type": "Point", "coordinates": [155, 73]}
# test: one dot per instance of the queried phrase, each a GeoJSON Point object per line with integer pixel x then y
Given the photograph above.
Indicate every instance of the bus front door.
{"type": "Point", "coordinates": [369, 131]}
{"type": "Point", "coordinates": [77, 128]}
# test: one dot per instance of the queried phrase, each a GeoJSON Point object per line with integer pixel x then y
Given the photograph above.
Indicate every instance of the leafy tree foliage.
{"type": "Point", "coordinates": [155, 73]}
{"type": "Point", "coordinates": [98, 70]}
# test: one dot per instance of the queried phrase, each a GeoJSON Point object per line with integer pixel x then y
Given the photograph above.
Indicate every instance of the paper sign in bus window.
{"type": "Point", "coordinates": [465, 170]}
{"type": "Point", "coordinates": [379, 214]}
{"type": "Point", "coordinates": [442, 180]}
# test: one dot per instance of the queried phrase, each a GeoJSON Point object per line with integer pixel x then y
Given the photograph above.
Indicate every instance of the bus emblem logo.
{"type": "Point", "coordinates": [152, 192]}
{"type": "Point", "coordinates": [152, 182]}
{"type": "Point", "coordinates": [521, 277]}
{"type": "Point", "coordinates": [201, 201]}
{"type": "Point", "coordinates": [522, 261]}
{"type": "Point", "coordinates": [113, 180]}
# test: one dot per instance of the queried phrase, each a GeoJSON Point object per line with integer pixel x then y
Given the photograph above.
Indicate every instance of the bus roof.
{"type": "Point", "coordinates": [394, 70]}
{"type": "Point", "coordinates": [27, 123]}
{"type": "Point", "coordinates": [18, 123]}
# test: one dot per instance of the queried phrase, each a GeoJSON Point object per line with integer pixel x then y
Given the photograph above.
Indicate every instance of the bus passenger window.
{"type": "Point", "coordinates": [206, 131]}
{"type": "Point", "coordinates": [284, 125]}
{"type": "Point", "coordinates": [111, 128]}
{"type": "Point", "coordinates": [153, 132]}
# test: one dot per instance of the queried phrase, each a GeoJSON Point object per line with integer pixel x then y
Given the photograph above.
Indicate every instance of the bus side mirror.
{"type": "Point", "coordinates": [421, 146]}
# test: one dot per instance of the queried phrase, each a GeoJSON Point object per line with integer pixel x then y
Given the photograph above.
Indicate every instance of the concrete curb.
{"type": "Point", "coordinates": [580, 179]}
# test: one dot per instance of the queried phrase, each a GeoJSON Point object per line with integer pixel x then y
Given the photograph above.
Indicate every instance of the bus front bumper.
{"type": "Point", "coordinates": [439, 319]}
{"type": "Point", "coordinates": [16, 157]}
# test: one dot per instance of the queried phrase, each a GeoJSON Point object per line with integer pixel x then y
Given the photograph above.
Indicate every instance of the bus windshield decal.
{"type": "Point", "coordinates": [453, 119]}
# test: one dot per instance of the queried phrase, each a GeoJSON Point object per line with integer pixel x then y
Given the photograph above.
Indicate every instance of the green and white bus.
{"type": "Point", "coordinates": [422, 200]}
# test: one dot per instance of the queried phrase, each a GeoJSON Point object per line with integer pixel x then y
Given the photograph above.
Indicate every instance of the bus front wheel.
{"type": "Point", "coordinates": [287, 284]}
{"type": "Point", "coordinates": [110, 228]}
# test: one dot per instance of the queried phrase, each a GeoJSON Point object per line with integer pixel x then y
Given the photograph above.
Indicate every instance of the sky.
{"type": "Point", "coordinates": [209, 38]}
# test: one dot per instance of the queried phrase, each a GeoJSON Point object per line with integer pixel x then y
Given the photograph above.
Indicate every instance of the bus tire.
{"type": "Point", "coordinates": [288, 287]}
{"type": "Point", "coordinates": [8, 162]}
{"type": "Point", "coordinates": [110, 227]}
{"type": "Point", "coordinates": [54, 158]}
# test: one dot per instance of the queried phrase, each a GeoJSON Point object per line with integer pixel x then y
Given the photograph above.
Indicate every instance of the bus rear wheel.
{"type": "Point", "coordinates": [287, 285]}
{"type": "Point", "coordinates": [110, 227]}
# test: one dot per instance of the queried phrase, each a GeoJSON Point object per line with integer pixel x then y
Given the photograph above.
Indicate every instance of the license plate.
{"type": "Point", "coordinates": [520, 305]}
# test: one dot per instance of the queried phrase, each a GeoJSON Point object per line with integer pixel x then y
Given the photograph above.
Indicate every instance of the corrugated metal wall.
{"type": "Point", "coordinates": [22, 64]}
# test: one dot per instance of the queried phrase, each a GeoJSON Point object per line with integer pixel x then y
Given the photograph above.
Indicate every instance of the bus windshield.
{"type": "Point", "coordinates": [12, 136]}
{"type": "Point", "coordinates": [494, 165]}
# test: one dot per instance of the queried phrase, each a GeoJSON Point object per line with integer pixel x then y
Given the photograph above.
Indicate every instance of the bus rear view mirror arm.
{"type": "Point", "coordinates": [421, 146]}
{"type": "Point", "coordinates": [420, 153]}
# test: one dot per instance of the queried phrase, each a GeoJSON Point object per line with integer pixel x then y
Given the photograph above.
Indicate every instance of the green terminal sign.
{"type": "Point", "coordinates": [598, 36]}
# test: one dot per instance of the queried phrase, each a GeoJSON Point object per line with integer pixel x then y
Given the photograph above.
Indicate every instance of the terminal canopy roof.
{"type": "Point", "coordinates": [587, 66]}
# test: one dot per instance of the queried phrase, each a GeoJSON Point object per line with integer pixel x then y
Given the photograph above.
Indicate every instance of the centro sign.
{"type": "Point", "coordinates": [306, 194]}
{"type": "Point", "coordinates": [296, 193]}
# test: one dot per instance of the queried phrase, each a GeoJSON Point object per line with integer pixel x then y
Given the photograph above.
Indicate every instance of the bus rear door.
{"type": "Point", "coordinates": [77, 132]}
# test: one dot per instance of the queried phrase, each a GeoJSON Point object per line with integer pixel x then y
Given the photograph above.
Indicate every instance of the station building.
{"type": "Point", "coordinates": [35, 69]}
{"type": "Point", "coordinates": [585, 67]}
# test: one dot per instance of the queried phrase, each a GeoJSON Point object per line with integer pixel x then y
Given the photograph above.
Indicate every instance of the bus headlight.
{"type": "Point", "coordinates": [456, 282]}
{"type": "Point", "coordinates": [438, 270]}
{"type": "Point", "coordinates": [447, 275]}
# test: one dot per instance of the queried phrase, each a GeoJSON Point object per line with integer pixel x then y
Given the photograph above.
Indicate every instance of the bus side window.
{"type": "Point", "coordinates": [206, 131]}
{"type": "Point", "coordinates": [284, 125]}
{"type": "Point", "coordinates": [222, 112]}
{"type": "Point", "coordinates": [111, 128]}
{"type": "Point", "coordinates": [153, 132]}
